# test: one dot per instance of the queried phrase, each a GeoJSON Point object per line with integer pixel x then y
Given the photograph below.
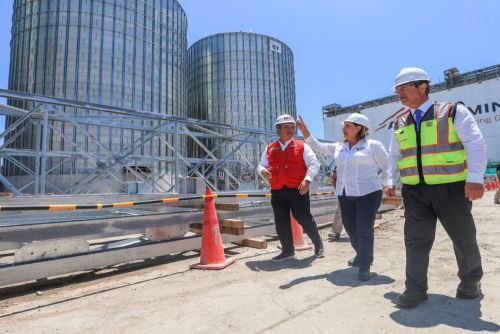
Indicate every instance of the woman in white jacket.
{"type": "Point", "coordinates": [361, 172]}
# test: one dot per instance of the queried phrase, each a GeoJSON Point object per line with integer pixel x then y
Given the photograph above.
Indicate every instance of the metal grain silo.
{"type": "Point", "coordinates": [122, 53]}
{"type": "Point", "coordinates": [243, 79]}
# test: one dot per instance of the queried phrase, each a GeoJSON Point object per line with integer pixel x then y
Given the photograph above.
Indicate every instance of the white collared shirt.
{"type": "Point", "coordinates": [470, 136]}
{"type": "Point", "coordinates": [310, 160]}
{"type": "Point", "coordinates": [361, 169]}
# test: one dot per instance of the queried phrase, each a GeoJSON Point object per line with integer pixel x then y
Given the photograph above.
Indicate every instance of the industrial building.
{"type": "Point", "coordinates": [479, 90]}
{"type": "Point", "coordinates": [126, 54]}
{"type": "Point", "coordinates": [242, 79]}
{"type": "Point", "coordinates": [104, 96]}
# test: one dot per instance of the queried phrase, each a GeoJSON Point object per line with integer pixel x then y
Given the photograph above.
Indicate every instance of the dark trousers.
{"type": "Point", "coordinates": [358, 216]}
{"type": "Point", "coordinates": [425, 204]}
{"type": "Point", "coordinates": [285, 200]}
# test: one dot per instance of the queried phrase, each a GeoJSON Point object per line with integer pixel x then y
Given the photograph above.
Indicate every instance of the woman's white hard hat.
{"type": "Point", "coordinates": [358, 119]}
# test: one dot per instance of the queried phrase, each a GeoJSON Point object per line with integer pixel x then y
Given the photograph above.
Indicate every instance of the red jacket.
{"type": "Point", "coordinates": [287, 167]}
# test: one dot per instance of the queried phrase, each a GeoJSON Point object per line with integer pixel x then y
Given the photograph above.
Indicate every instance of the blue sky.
{"type": "Point", "coordinates": [346, 51]}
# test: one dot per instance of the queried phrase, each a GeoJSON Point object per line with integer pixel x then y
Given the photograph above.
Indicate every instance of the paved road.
{"type": "Point", "coordinates": [253, 295]}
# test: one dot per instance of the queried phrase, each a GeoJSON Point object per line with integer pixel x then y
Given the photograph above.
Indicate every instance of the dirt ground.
{"type": "Point", "coordinates": [253, 295]}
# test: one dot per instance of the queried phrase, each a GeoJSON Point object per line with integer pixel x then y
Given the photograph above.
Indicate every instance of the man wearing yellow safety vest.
{"type": "Point", "coordinates": [441, 157]}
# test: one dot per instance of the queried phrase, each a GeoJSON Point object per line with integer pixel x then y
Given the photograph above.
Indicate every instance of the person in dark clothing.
{"type": "Point", "coordinates": [290, 165]}
{"type": "Point", "coordinates": [440, 154]}
{"type": "Point", "coordinates": [359, 184]}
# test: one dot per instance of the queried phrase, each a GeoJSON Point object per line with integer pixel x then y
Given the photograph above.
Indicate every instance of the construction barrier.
{"type": "Point", "coordinates": [62, 207]}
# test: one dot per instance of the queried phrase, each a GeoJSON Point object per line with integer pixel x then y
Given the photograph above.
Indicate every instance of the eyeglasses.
{"type": "Point", "coordinates": [401, 88]}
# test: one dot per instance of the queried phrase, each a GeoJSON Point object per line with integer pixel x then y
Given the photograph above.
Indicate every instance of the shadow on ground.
{"type": "Point", "coordinates": [443, 310]}
{"type": "Point", "coordinates": [341, 240]}
{"type": "Point", "coordinates": [342, 277]}
{"type": "Point", "coordinates": [268, 265]}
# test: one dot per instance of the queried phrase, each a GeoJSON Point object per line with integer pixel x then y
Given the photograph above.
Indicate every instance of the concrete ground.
{"type": "Point", "coordinates": [253, 295]}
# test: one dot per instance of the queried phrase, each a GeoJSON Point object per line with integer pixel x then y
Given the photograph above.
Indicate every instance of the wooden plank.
{"type": "Point", "coordinates": [253, 243]}
{"type": "Point", "coordinates": [227, 206]}
{"type": "Point", "coordinates": [198, 228]}
{"type": "Point", "coordinates": [235, 223]}
{"type": "Point", "coordinates": [232, 230]}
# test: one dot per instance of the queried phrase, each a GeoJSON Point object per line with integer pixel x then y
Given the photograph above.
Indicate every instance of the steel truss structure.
{"type": "Point", "coordinates": [91, 164]}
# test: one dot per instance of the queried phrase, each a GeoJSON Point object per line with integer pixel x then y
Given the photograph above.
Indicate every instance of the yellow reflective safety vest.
{"type": "Point", "coordinates": [433, 154]}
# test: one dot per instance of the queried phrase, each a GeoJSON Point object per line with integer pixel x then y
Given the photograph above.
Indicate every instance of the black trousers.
{"type": "Point", "coordinates": [424, 204]}
{"type": "Point", "coordinates": [358, 216]}
{"type": "Point", "coordinates": [285, 200]}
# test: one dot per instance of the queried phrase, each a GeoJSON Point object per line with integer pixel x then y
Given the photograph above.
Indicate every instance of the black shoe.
{"type": "Point", "coordinates": [283, 256]}
{"type": "Point", "coordinates": [353, 262]}
{"type": "Point", "coordinates": [364, 274]}
{"type": "Point", "coordinates": [410, 299]}
{"type": "Point", "coordinates": [334, 236]}
{"type": "Point", "coordinates": [319, 250]}
{"type": "Point", "coordinates": [468, 290]}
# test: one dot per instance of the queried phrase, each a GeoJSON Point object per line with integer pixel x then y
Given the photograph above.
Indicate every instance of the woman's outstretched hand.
{"type": "Point", "coordinates": [301, 125]}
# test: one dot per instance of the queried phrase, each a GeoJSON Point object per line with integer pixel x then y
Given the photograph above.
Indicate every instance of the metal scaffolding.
{"type": "Point", "coordinates": [93, 165]}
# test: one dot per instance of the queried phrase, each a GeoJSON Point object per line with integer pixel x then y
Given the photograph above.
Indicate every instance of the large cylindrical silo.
{"type": "Point", "coordinates": [123, 53]}
{"type": "Point", "coordinates": [242, 79]}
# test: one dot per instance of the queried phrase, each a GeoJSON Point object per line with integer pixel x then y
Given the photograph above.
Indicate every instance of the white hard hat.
{"type": "Point", "coordinates": [410, 74]}
{"type": "Point", "coordinates": [283, 119]}
{"type": "Point", "coordinates": [358, 119]}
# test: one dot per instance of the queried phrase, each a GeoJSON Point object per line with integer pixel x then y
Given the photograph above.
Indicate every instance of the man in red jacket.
{"type": "Point", "coordinates": [289, 165]}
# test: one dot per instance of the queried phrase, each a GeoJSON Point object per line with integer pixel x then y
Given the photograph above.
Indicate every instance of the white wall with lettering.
{"type": "Point", "coordinates": [482, 98]}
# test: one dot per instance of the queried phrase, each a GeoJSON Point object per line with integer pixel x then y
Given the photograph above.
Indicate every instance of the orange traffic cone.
{"type": "Point", "coordinates": [488, 185]}
{"type": "Point", "coordinates": [212, 251]}
{"type": "Point", "coordinates": [298, 236]}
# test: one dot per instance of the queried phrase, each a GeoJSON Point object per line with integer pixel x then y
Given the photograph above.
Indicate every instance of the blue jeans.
{"type": "Point", "coordinates": [358, 216]}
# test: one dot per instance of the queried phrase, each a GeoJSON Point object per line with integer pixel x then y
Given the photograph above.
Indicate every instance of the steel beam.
{"type": "Point", "coordinates": [16, 274]}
